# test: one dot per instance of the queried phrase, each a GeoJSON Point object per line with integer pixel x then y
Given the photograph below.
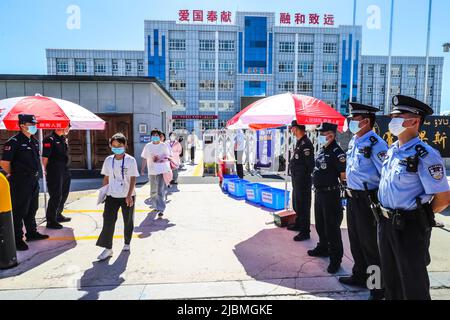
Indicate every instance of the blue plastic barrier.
{"type": "Point", "coordinates": [253, 192]}
{"type": "Point", "coordinates": [274, 198]}
{"type": "Point", "coordinates": [237, 187]}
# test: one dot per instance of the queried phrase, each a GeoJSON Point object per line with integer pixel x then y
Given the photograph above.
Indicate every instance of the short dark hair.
{"type": "Point", "coordinates": [372, 117]}
{"type": "Point", "coordinates": [119, 137]}
{"type": "Point", "coordinates": [163, 134]}
{"type": "Point", "coordinates": [155, 131]}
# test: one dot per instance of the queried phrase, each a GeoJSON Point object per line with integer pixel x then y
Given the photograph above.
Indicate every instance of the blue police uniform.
{"type": "Point", "coordinates": [411, 175]}
{"type": "Point", "coordinates": [365, 157]}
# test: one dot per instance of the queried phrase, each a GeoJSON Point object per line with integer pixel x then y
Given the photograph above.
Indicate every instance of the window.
{"type": "Point", "coordinates": [179, 124]}
{"type": "Point", "coordinates": [181, 106]}
{"type": "Point", "coordinates": [305, 86]}
{"type": "Point", "coordinates": [208, 124]}
{"type": "Point", "coordinates": [210, 106]}
{"type": "Point", "coordinates": [370, 69]}
{"type": "Point", "coordinates": [226, 85]}
{"type": "Point", "coordinates": [62, 66]}
{"type": "Point", "coordinates": [128, 65]}
{"type": "Point", "coordinates": [382, 70]}
{"type": "Point", "coordinates": [329, 87]}
{"type": "Point", "coordinates": [287, 86]}
{"type": "Point", "coordinates": [115, 65]}
{"type": "Point", "coordinates": [369, 89]}
{"type": "Point", "coordinates": [431, 71]}
{"type": "Point", "coordinates": [330, 47]}
{"type": "Point", "coordinates": [177, 44]}
{"type": "Point", "coordinates": [177, 85]}
{"type": "Point", "coordinates": [411, 91]}
{"type": "Point", "coordinates": [287, 47]}
{"type": "Point", "coordinates": [306, 47]}
{"type": "Point", "coordinates": [226, 66]}
{"type": "Point", "coordinates": [207, 45]}
{"type": "Point", "coordinates": [331, 104]}
{"type": "Point", "coordinates": [396, 71]}
{"type": "Point", "coordinates": [305, 67]}
{"type": "Point", "coordinates": [395, 90]}
{"type": "Point", "coordinates": [412, 71]}
{"type": "Point", "coordinates": [80, 66]}
{"type": "Point", "coordinates": [382, 89]}
{"type": "Point", "coordinates": [207, 65]}
{"type": "Point", "coordinates": [207, 85]}
{"type": "Point", "coordinates": [99, 66]}
{"type": "Point", "coordinates": [286, 66]}
{"type": "Point", "coordinates": [226, 45]}
{"type": "Point", "coordinates": [140, 66]}
{"type": "Point", "coordinates": [430, 91]}
{"type": "Point", "coordinates": [176, 65]}
{"type": "Point", "coordinates": [330, 67]}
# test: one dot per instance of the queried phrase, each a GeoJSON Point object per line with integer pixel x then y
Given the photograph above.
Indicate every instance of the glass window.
{"type": "Point", "coordinates": [177, 85]}
{"type": "Point", "coordinates": [286, 66]}
{"type": "Point", "coordinates": [177, 65]}
{"type": "Point", "coordinates": [207, 45]}
{"type": "Point", "coordinates": [396, 71]}
{"type": "Point", "coordinates": [305, 86]}
{"type": "Point", "coordinates": [140, 66]}
{"type": "Point", "coordinates": [256, 48]}
{"type": "Point", "coordinates": [115, 65]}
{"type": "Point", "coordinates": [287, 47]}
{"type": "Point", "coordinates": [181, 106]}
{"type": "Point", "coordinates": [255, 88]}
{"type": "Point", "coordinates": [430, 91]}
{"type": "Point", "coordinates": [330, 67]}
{"type": "Point", "coordinates": [80, 66]}
{"type": "Point", "coordinates": [207, 85]}
{"type": "Point", "coordinates": [329, 47]}
{"type": "Point", "coordinates": [329, 87]}
{"type": "Point", "coordinates": [305, 67]}
{"type": "Point", "coordinates": [370, 69]}
{"type": "Point", "coordinates": [382, 89]}
{"type": "Point", "coordinates": [225, 65]}
{"type": "Point", "coordinates": [306, 47]}
{"type": "Point", "coordinates": [431, 71]}
{"type": "Point", "coordinates": [100, 66]}
{"type": "Point", "coordinates": [411, 91]}
{"type": "Point", "coordinates": [286, 86]}
{"type": "Point", "coordinates": [369, 89]}
{"type": "Point", "coordinates": [383, 70]}
{"type": "Point", "coordinates": [128, 65]}
{"type": "Point", "coordinates": [395, 90]}
{"type": "Point", "coordinates": [226, 45]}
{"type": "Point", "coordinates": [226, 85]}
{"type": "Point", "coordinates": [412, 71]}
{"type": "Point", "coordinates": [207, 65]}
{"type": "Point", "coordinates": [179, 124]}
{"type": "Point", "coordinates": [62, 65]}
{"type": "Point", "coordinates": [177, 44]}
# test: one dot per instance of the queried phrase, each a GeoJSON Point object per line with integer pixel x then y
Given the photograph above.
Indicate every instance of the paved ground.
{"type": "Point", "coordinates": [208, 246]}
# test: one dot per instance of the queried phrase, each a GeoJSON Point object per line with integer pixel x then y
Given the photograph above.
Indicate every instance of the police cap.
{"type": "Point", "coordinates": [295, 124]}
{"type": "Point", "coordinates": [357, 109]}
{"type": "Point", "coordinates": [27, 118]}
{"type": "Point", "coordinates": [404, 104]}
{"type": "Point", "coordinates": [325, 127]}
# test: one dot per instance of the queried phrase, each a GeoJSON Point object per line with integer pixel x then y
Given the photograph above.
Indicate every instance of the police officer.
{"type": "Point", "coordinates": [301, 167]}
{"type": "Point", "coordinates": [55, 157]}
{"type": "Point", "coordinates": [328, 172]}
{"type": "Point", "coordinates": [21, 163]}
{"type": "Point", "coordinates": [413, 187]}
{"type": "Point", "coordinates": [365, 158]}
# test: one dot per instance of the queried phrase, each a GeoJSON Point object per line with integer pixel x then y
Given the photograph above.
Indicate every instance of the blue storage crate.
{"type": "Point", "coordinates": [236, 187]}
{"type": "Point", "coordinates": [226, 179]}
{"type": "Point", "coordinates": [274, 198]}
{"type": "Point", "coordinates": [253, 192]}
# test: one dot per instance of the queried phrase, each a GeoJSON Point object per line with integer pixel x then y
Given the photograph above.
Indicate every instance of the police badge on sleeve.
{"type": "Point", "coordinates": [437, 172]}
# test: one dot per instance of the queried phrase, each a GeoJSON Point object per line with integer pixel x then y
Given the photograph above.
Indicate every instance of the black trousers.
{"type": "Point", "coordinates": [25, 203]}
{"type": "Point", "coordinates": [112, 206]}
{"type": "Point", "coordinates": [362, 233]}
{"type": "Point", "coordinates": [58, 184]}
{"type": "Point", "coordinates": [404, 259]}
{"type": "Point", "coordinates": [192, 154]}
{"type": "Point", "coordinates": [239, 166]}
{"type": "Point", "coordinates": [301, 200]}
{"type": "Point", "coordinates": [329, 215]}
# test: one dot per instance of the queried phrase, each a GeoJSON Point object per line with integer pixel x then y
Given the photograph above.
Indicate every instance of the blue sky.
{"type": "Point", "coordinates": [28, 27]}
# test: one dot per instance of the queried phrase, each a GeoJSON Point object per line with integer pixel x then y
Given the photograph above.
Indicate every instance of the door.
{"type": "Point", "coordinates": [77, 149]}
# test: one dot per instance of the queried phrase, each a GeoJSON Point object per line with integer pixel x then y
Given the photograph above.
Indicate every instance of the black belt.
{"type": "Point", "coordinates": [25, 174]}
{"type": "Point", "coordinates": [390, 213]}
{"type": "Point", "coordinates": [360, 194]}
{"type": "Point", "coordinates": [324, 189]}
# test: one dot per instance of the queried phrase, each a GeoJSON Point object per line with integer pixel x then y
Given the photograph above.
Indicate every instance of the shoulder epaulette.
{"type": "Point", "coordinates": [421, 151]}
{"type": "Point", "coordinates": [373, 140]}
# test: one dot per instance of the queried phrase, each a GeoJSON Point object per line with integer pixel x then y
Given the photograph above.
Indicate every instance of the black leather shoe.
{"type": "Point", "coordinates": [302, 237]}
{"type": "Point", "coordinates": [353, 281]}
{"type": "Point", "coordinates": [318, 252]}
{"type": "Point", "coordinates": [334, 267]}
{"type": "Point", "coordinates": [21, 246]}
{"type": "Point", "coordinates": [36, 237]}
{"type": "Point", "coordinates": [62, 219]}
{"type": "Point", "coordinates": [54, 225]}
{"type": "Point", "coordinates": [293, 227]}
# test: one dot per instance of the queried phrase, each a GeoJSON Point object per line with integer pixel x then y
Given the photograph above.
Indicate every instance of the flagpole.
{"type": "Point", "coordinates": [387, 90]}
{"type": "Point", "coordinates": [427, 63]}
{"type": "Point", "coordinates": [352, 54]}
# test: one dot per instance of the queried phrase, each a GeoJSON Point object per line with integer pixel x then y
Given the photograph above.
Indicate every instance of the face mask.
{"type": "Point", "coordinates": [322, 140]}
{"type": "Point", "coordinates": [156, 139]}
{"type": "Point", "coordinates": [354, 127]}
{"type": "Point", "coordinates": [118, 151]}
{"type": "Point", "coordinates": [172, 138]}
{"type": "Point", "coordinates": [396, 126]}
{"type": "Point", "coordinates": [32, 130]}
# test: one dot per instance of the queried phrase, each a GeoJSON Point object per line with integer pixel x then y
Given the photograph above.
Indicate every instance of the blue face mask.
{"type": "Point", "coordinates": [354, 127]}
{"type": "Point", "coordinates": [322, 140]}
{"type": "Point", "coordinates": [156, 139]}
{"type": "Point", "coordinates": [118, 151]}
{"type": "Point", "coordinates": [32, 130]}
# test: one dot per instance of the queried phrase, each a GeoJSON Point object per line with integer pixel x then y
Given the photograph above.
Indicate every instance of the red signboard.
{"type": "Point", "coordinates": [194, 117]}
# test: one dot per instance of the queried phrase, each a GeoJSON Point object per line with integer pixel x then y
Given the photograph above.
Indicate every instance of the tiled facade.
{"type": "Point", "coordinates": [208, 68]}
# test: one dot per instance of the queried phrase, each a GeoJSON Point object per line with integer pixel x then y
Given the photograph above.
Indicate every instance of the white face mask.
{"type": "Point", "coordinates": [172, 138]}
{"type": "Point", "coordinates": [396, 126]}
{"type": "Point", "coordinates": [354, 127]}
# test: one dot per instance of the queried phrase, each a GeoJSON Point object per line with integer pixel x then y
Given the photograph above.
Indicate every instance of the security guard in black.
{"type": "Point", "coordinates": [301, 166]}
{"type": "Point", "coordinates": [329, 168]}
{"type": "Point", "coordinates": [56, 159]}
{"type": "Point", "coordinates": [21, 162]}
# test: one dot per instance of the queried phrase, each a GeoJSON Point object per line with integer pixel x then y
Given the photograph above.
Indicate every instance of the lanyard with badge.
{"type": "Point", "coordinates": [123, 170]}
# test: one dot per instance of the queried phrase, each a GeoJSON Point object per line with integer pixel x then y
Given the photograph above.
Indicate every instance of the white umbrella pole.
{"type": "Point", "coordinates": [44, 175]}
{"type": "Point", "coordinates": [286, 151]}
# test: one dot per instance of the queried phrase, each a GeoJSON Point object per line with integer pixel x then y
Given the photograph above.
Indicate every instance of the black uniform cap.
{"type": "Point", "coordinates": [404, 104]}
{"type": "Point", "coordinates": [361, 109]}
{"type": "Point", "coordinates": [27, 118]}
{"type": "Point", "coordinates": [325, 127]}
{"type": "Point", "coordinates": [295, 124]}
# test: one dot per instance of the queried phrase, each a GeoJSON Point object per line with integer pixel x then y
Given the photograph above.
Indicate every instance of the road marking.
{"type": "Point", "coordinates": [86, 238]}
{"type": "Point", "coordinates": [101, 211]}
{"type": "Point", "coordinates": [198, 171]}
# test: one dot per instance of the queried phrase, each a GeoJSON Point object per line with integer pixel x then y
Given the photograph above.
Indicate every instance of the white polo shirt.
{"type": "Point", "coordinates": [161, 150]}
{"type": "Point", "coordinates": [120, 173]}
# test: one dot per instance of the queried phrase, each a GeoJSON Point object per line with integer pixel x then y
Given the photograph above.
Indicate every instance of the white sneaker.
{"type": "Point", "coordinates": [107, 253]}
{"type": "Point", "coordinates": [126, 248]}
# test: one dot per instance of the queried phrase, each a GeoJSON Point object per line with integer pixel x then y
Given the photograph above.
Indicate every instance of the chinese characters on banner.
{"type": "Point", "coordinates": [435, 132]}
{"type": "Point", "coordinates": [204, 16]}
{"type": "Point", "coordinates": [304, 19]}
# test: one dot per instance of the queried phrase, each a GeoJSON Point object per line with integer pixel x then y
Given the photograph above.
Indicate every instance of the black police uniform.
{"type": "Point", "coordinates": [58, 175]}
{"type": "Point", "coordinates": [301, 167]}
{"type": "Point", "coordinates": [329, 164]}
{"type": "Point", "coordinates": [23, 154]}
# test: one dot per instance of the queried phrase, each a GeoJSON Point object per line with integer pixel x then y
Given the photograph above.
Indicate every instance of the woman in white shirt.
{"type": "Point", "coordinates": [120, 171]}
